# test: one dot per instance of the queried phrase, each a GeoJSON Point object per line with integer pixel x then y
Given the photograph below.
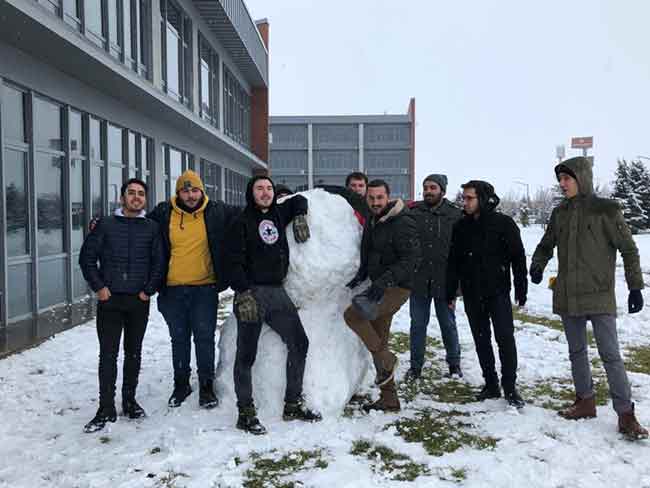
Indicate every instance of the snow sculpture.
{"type": "Point", "coordinates": [337, 362]}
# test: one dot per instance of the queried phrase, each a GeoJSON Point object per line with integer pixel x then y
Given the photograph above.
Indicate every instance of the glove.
{"type": "Point", "coordinates": [536, 274]}
{"type": "Point", "coordinates": [247, 307]}
{"type": "Point", "coordinates": [635, 301]}
{"type": "Point", "coordinates": [375, 293]}
{"type": "Point", "coordinates": [300, 229]}
{"type": "Point", "coordinates": [354, 282]}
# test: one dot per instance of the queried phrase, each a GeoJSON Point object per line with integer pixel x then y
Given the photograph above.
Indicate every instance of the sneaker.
{"type": "Point", "coordinates": [514, 399]}
{"type": "Point", "coordinates": [488, 392]}
{"type": "Point", "coordinates": [412, 375]}
{"type": "Point", "coordinates": [455, 371]}
{"type": "Point", "coordinates": [248, 421]}
{"type": "Point", "coordinates": [131, 409]}
{"type": "Point", "coordinates": [629, 426]}
{"type": "Point", "coordinates": [207, 398]}
{"type": "Point", "coordinates": [298, 411]}
{"type": "Point", "coordinates": [182, 390]}
{"type": "Point", "coordinates": [103, 415]}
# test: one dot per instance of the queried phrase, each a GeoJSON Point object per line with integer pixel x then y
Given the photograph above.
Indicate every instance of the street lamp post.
{"type": "Point", "coordinates": [523, 183]}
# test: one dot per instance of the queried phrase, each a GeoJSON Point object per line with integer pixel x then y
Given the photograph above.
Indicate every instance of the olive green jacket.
{"type": "Point", "coordinates": [587, 231]}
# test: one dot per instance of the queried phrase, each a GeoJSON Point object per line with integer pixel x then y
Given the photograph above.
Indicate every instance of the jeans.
{"type": "Point", "coordinates": [191, 311]}
{"type": "Point", "coordinates": [420, 308]}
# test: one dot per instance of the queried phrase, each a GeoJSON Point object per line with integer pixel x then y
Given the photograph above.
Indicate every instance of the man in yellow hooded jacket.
{"type": "Point", "coordinates": [193, 228]}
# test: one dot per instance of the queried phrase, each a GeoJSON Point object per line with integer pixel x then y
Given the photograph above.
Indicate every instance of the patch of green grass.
{"type": "Point", "coordinates": [554, 324]}
{"type": "Point", "coordinates": [441, 432]}
{"type": "Point", "coordinates": [104, 439]}
{"type": "Point", "coordinates": [270, 472]}
{"type": "Point", "coordinates": [440, 389]}
{"type": "Point", "coordinates": [556, 393]}
{"type": "Point", "coordinates": [637, 359]}
{"type": "Point", "coordinates": [399, 343]}
{"type": "Point", "coordinates": [399, 466]}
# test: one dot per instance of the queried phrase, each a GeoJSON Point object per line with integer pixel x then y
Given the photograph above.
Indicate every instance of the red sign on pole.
{"type": "Point", "coordinates": [582, 142]}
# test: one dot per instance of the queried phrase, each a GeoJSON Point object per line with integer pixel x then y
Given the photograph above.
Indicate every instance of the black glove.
{"type": "Point", "coordinates": [354, 282]}
{"type": "Point", "coordinates": [246, 306]}
{"type": "Point", "coordinates": [536, 274]}
{"type": "Point", "coordinates": [635, 301]}
{"type": "Point", "coordinates": [375, 293]}
{"type": "Point", "coordinates": [300, 229]}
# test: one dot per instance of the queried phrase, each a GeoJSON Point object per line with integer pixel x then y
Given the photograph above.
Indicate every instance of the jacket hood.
{"type": "Point", "coordinates": [393, 209]}
{"type": "Point", "coordinates": [488, 200]}
{"type": "Point", "coordinates": [250, 200]}
{"type": "Point", "coordinates": [582, 169]}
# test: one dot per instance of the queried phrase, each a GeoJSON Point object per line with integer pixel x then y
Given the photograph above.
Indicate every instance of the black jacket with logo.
{"type": "Point", "coordinates": [257, 247]}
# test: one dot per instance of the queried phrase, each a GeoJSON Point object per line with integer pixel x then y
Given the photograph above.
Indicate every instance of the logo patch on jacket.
{"type": "Point", "coordinates": [268, 232]}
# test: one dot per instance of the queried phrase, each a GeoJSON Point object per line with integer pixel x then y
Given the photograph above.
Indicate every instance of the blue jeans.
{"type": "Point", "coordinates": [191, 311]}
{"type": "Point", "coordinates": [420, 307]}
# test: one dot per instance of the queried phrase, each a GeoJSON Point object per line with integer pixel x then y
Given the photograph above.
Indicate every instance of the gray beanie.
{"type": "Point", "coordinates": [440, 179]}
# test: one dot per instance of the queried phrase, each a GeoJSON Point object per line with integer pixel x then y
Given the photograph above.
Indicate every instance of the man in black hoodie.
{"type": "Point", "coordinates": [258, 256]}
{"type": "Point", "coordinates": [485, 244]}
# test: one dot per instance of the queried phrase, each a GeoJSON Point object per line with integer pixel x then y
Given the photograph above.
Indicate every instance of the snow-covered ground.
{"type": "Point", "coordinates": [48, 393]}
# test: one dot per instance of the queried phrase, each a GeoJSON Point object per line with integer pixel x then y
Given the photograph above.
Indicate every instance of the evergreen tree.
{"type": "Point", "coordinates": [640, 180]}
{"type": "Point", "coordinates": [625, 193]}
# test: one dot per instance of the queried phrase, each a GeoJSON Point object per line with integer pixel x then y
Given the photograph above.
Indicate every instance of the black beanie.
{"type": "Point", "coordinates": [441, 180]}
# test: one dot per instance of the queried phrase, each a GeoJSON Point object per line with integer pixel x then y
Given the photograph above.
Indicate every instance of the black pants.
{"type": "Point", "coordinates": [119, 312]}
{"type": "Point", "coordinates": [278, 311]}
{"type": "Point", "coordinates": [498, 309]}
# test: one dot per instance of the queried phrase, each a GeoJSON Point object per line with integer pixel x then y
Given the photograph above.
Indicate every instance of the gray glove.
{"type": "Point", "coordinates": [247, 307]}
{"type": "Point", "coordinates": [300, 229]}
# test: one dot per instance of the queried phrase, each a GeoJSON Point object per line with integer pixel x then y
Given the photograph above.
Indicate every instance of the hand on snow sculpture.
{"type": "Point", "coordinates": [300, 229]}
{"type": "Point", "coordinates": [246, 307]}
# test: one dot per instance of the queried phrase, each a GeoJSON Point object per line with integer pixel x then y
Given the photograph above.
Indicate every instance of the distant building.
{"type": "Point", "coordinates": [310, 150]}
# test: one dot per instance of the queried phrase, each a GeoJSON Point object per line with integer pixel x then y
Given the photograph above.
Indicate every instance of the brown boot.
{"type": "Point", "coordinates": [385, 364]}
{"type": "Point", "coordinates": [629, 426]}
{"type": "Point", "coordinates": [388, 402]}
{"type": "Point", "coordinates": [582, 408]}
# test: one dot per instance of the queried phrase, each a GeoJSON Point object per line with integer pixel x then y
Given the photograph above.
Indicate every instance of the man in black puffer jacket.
{"type": "Point", "coordinates": [485, 244]}
{"type": "Point", "coordinates": [128, 249]}
{"type": "Point", "coordinates": [258, 256]}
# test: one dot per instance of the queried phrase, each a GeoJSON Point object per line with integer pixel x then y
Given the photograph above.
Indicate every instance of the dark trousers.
{"type": "Point", "coordinates": [119, 312]}
{"type": "Point", "coordinates": [498, 309]}
{"type": "Point", "coordinates": [276, 309]}
{"type": "Point", "coordinates": [191, 311]}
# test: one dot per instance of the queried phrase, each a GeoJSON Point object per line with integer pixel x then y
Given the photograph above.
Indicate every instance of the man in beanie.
{"type": "Point", "coordinates": [587, 231]}
{"type": "Point", "coordinates": [258, 258]}
{"type": "Point", "coordinates": [435, 217]}
{"type": "Point", "coordinates": [485, 245]}
{"type": "Point", "coordinates": [193, 229]}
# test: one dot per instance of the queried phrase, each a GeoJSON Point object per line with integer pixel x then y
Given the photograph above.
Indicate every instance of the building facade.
{"type": "Point", "coordinates": [93, 92]}
{"type": "Point", "coordinates": [323, 150]}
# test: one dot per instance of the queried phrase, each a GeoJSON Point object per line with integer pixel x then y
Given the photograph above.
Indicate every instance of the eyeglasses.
{"type": "Point", "coordinates": [469, 197]}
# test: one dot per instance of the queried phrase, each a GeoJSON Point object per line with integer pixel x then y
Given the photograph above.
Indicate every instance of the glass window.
{"type": "Point", "coordinates": [236, 109]}
{"type": "Point", "coordinates": [93, 16]}
{"type": "Point", "coordinates": [49, 203]}
{"type": "Point", "coordinates": [173, 85]}
{"type": "Point", "coordinates": [79, 287]}
{"type": "Point", "coordinates": [128, 47]}
{"type": "Point", "coordinates": [114, 186]}
{"type": "Point", "coordinates": [47, 124]}
{"type": "Point", "coordinates": [114, 18]}
{"type": "Point", "coordinates": [175, 168]}
{"type": "Point", "coordinates": [71, 8]}
{"type": "Point", "coordinates": [177, 66]}
{"type": "Point", "coordinates": [211, 175]}
{"type": "Point", "coordinates": [13, 114]}
{"type": "Point", "coordinates": [20, 291]}
{"type": "Point", "coordinates": [206, 105]}
{"type": "Point", "coordinates": [96, 191]}
{"type": "Point", "coordinates": [143, 9]}
{"type": "Point", "coordinates": [131, 152]}
{"type": "Point", "coordinates": [77, 202]}
{"type": "Point", "coordinates": [76, 133]}
{"type": "Point", "coordinates": [51, 282]}
{"type": "Point", "coordinates": [114, 140]}
{"type": "Point", "coordinates": [96, 152]}
{"type": "Point", "coordinates": [17, 203]}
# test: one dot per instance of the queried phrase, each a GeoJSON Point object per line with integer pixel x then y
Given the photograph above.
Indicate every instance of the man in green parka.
{"type": "Point", "coordinates": [588, 231]}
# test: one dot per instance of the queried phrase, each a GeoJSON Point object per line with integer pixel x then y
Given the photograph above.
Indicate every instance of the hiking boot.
{"type": "Point", "coordinates": [412, 375]}
{"type": "Point", "coordinates": [582, 408]}
{"type": "Point", "coordinates": [488, 391]}
{"type": "Point", "coordinates": [386, 364]}
{"type": "Point", "coordinates": [248, 421]}
{"type": "Point", "coordinates": [298, 411]}
{"type": "Point", "coordinates": [455, 371]}
{"type": "Point", "coordinates": [131, 409]}
{"type": "Point", "coordinates": [207, 397]}
{"type": "Point", "coordinates": [514, 399]}
{"type": "Point", "coordinates": [104, 414]}
{"type": "Point", "coordinates": [182, 390]}
{"type": "Point", "coordinates": [629, 426]}
{"type": "Point", "coordinates": [382, 406]}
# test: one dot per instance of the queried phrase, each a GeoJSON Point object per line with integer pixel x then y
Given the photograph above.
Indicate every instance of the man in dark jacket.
{"type": "Point", "coordinates": [128, 249]}
{"type": "Point", "coordinates": [587, 231]}
{"type": "Point", "coordinates": [390, 253]}
{"type": "Point", "coordinates": [193, 229]}
{"type": "Point", "coordinates": [435, 218]}
{"type": "Point", "coordinates": [485, 245]}
{"type": "Point", "coordinates": [258, 256]}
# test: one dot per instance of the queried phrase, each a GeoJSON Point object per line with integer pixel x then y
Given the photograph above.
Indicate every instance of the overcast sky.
{"type": "Point", "coordinates": [497, 84]}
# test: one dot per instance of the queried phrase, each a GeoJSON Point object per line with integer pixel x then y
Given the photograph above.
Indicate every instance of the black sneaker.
{"type": "Point", "coordinates": [514, 399]}
{"type": "Point", "coordinates": [132, 410]}
{"type": "Point", "coordinates": [103, 415]}
{"type": "Point", "coordinates": [248, 421]}
{"type": "Point", "coordinates": [455, 371]}
{"type": "Point", "coordinates": [488, 392]}
{"type": "Point", "coordinates": [412, 374]}
{"type": "Point", "coordinates": [207, 398]}
{"type": "Point", "coordinates": [182, 390]}
{"type": "Point", "coordinates": [298, 411]}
